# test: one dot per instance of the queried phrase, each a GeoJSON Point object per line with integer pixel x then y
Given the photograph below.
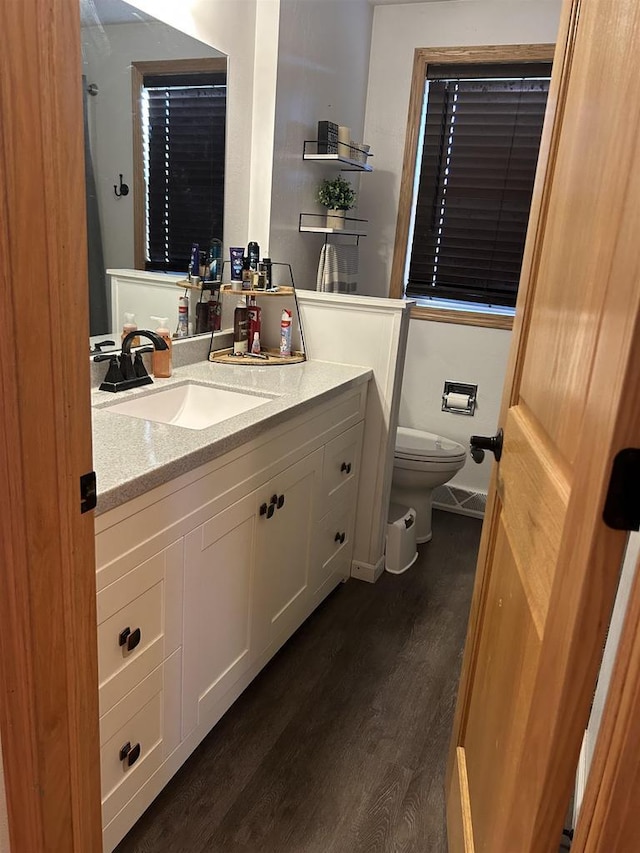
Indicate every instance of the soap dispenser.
{"type": "Point", "coordinates": [130, 325]}
{"type": "Point", "coordinates": [161, 359]}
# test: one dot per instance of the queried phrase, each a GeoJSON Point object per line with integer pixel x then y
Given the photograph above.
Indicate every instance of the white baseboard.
{"type": "Point", "coordinates": [366, 571]}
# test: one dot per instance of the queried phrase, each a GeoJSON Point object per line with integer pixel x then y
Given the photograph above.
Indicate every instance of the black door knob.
{"type": "Point", "coordinates": [480, 443]}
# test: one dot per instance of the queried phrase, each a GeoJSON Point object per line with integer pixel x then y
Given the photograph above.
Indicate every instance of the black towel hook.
{"type": "Point", "coordinates": [124, 189]}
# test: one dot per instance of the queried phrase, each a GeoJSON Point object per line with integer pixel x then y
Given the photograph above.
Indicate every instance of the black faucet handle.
{"type": "Point", "coordinates": [138, 364]}
{"type": "Point", "coordinates": [126, 367]}
{"type": "Point", "coordinates": [114, 374]}
{"type": "Point", "coordinates": [99, 344]}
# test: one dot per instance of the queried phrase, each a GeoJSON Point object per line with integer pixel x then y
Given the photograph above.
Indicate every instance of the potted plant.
{"type": "Point", "coordinates": [338, 196]}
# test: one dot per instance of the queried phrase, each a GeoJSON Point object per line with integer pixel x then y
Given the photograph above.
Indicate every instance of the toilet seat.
{"type": "Point", "coordinates": [416, 445]}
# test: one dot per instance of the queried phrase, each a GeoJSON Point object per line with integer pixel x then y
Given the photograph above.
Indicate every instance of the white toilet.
{"type": "Point", "coordinates": [422, 462]}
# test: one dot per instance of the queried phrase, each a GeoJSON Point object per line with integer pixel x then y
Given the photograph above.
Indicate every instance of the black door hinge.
{"type": "Point", "coordinates": [88, 492]}
{"type": "Point", "coordinates": [622, 504]}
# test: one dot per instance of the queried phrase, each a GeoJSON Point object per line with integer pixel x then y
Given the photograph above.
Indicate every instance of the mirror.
{"type": "Point", "coordinates": [116, 35]}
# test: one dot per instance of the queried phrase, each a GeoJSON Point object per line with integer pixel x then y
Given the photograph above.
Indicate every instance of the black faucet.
{"type": "Point", "coordinates": [122, 374]}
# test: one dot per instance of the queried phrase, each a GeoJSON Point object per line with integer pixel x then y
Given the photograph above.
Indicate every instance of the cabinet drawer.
{"type": "Point", "coordinates": [130, 630]}
{"type": "Point", "coordinates": [334, 545]}
{"type": "Point", "coordinates": [341, 463]}
{"type": "Point", "coordinates": [135, 721]}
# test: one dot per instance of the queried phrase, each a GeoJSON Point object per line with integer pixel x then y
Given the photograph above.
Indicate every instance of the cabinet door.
{"type": "Point", "coordinates": [285, 510]}
{"type": "Point", "coordinates": [333, 546]}
{"type": "Point", "coordinates": [218, 595]}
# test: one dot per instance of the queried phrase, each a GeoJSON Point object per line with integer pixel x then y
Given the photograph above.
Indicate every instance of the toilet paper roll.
{"type": "Point", "coordinates": [456, 401]}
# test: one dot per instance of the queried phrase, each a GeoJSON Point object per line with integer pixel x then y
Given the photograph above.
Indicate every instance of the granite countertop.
{"type": "Point", "coordinates": [132, 455]}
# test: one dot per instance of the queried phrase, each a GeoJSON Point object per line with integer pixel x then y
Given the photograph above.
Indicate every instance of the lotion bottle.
{"type": "Point", "coordinates": [255, 322]}
{"type": "Point", "coordinates": [240, 328]}
{"type": "Point", "coordinates": [161, 359]}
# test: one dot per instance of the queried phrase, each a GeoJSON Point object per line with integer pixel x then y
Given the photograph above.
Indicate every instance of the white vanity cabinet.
{"type": "Point", "coordinates": [201, 580]}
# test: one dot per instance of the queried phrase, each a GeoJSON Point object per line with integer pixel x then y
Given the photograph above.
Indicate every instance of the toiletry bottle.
{"type": "Point", "coordinates": [202, 314]}
{"type": "Point", "coordinates": [183, 317]}
{"type": "Point", "coordinates": [214, 309]}
{"type": "Point", "coordinates": [194, 263]}
{"type": "Point", "coordinates": [214, 259]}
{"type": "Point", "coordinates": [240, 328]}
{"type": "Point", "coordinates": [254, 318]}
{"type": "Point", "coordinates": [246, 274]}
{"type": "Point", "coordinates": [253, 253]}
{"type": "Point", "coordinates": [130, 325]}
{"type": "Point", "coordinates": [285, 332]}
{"type": "Point", "coordinates": [267, 271]}
{"type": "Point", "coordinates": [161, 359]}
{"type": "Point", "coordinates": [255, 343]}
{"type": "Point", "coordinates": [236, 254]}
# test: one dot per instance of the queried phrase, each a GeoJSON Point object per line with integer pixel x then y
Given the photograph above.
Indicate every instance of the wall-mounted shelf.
{"type": "Point", "coordinates": [314, 223]}
{"type": "Point", "coordinates": [356, 161]}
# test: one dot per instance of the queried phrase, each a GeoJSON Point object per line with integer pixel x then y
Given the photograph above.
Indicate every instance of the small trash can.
{"type": "Point", "coordinates": [400, 552]}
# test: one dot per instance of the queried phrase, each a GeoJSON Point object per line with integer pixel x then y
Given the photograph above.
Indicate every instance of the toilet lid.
{"type": "Point", "coordinates": [416, 444]}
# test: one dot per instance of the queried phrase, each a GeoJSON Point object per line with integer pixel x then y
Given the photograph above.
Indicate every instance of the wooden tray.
{"type": "Point", "coordinates": [226, 356]}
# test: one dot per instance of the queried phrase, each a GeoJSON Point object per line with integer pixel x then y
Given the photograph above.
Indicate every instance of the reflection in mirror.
{"type": "Point", "coordinates": [169, 149]}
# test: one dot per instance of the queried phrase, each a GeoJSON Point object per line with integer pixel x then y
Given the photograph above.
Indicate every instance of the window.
{"type": "Point", "coordinates": [476, 138]}
{"type": "Point", "coordinates": [181, 154]}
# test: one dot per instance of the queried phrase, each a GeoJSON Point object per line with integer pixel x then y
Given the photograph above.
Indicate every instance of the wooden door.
{"type": "Point", "coordinates": [548, 565]}
{"type": "Point", "coordinates": [48, 655]}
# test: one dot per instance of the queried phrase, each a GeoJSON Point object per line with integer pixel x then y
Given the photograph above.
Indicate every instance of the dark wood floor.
{"type": "Point", "coordinates": [339, 745]}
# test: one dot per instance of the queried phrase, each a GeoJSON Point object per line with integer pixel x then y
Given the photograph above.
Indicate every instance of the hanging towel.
{"type": "Point", "coordinates": [338, 269]}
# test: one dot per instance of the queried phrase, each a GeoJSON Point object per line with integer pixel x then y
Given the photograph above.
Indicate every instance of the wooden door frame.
{"type": "Point", "coordinates": [611, 802]}
{"type": "Point", "coordinates": [48, 645]}
{"type": "Point", "coordinates": [578, 641]}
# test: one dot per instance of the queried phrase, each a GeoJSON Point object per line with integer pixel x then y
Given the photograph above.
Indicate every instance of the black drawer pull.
{"type": "Point", "coordinates": [129, 638]}
{"type": "Point", "coordinates": [339, 537]}
{"type": "Point", "coordinates": [129, 753]}
{"type": "Point", "coordinates": [346, 467]}
{"type": "Point", "coordinates": [280, 501]}
{"type": "Point", "coordinates": [270, 510]}
{"type": "Point", "coordinates": [263, 509]}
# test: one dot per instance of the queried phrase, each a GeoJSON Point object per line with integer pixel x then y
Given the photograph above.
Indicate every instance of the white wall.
{"type": "Point", "coordinates": [397, 31]}
{"type": "Point", "coordinates": [440, 351]}
{"type": "Point", "coordinates": [108, 53]}
{"type": "Point", "coordinates": [437, 351]}
{"type": "Point", "coordinates": [323, 60]}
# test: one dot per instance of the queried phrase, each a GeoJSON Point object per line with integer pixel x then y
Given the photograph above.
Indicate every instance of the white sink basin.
{"type": "Point", "coordinates": [190, 405]}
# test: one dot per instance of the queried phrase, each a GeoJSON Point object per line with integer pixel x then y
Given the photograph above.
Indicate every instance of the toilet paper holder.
{"type": "Point", "coordinates": [459, 398]}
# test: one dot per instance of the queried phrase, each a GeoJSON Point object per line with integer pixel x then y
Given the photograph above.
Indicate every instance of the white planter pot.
{"type": "Point", "coordinates": [335, 218]}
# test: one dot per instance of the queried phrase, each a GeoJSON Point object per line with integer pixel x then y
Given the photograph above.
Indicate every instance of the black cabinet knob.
{"type": "Point", "coordinates": [263, 509]}
{"type": "Point", "coordinates": [129, 638]}
{"type": "Point", "coordinates": [129, 754]}
{"type": "Point", "coordinates": [280, 503]}
{"type": "Point", "coordinates": [271, 509]}
{"type": "Point", "coordinates": [346, 467]}
{"type": "Point", "coordinates": [339, 537]}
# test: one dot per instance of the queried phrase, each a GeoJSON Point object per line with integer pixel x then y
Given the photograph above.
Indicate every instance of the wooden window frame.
{"type": "Point", "coordinates": [423, 56]}
{"type": "Point", "coordinates": [210, 64]}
